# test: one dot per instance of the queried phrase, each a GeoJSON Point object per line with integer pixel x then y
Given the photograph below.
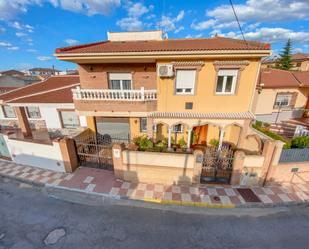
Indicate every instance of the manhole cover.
{"type": "Point", "coordinates": [248, 195]}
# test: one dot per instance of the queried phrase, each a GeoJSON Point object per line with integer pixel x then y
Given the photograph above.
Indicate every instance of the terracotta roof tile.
{"type": "Point", "coordinates": [302, 77]}
{"type": "Point", "coordinates": [276, 78]}
{"type": "Point", "coordinates": [300, 56]}
{"type": "Point", "coordinates": [44, 92]}
{"type": "Point", "coordinates": [215, 43]}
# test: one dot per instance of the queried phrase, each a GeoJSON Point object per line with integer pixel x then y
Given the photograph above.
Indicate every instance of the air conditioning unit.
{"type": "Point", "coordinates": [165, 70]}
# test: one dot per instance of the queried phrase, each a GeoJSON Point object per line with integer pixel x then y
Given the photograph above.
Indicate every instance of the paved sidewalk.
{"type": "Point", "coordinates": [103, 182]}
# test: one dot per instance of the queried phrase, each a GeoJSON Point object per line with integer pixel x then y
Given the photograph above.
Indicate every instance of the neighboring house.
{"type": "Point", "coordinates": [44, 72]}
{"type": "Point", "coordinates": [300, 62]}
{"type": "Point", "coordinates": [44, 105]}
{"type": "Point", "coordinates": [281, 96]}
{"type": "Point", "coordinates": [9, 82]}
{"type": "Point", "coordinates": [137, 83]}
{"type": "Point", "coordinates": [12, 73]}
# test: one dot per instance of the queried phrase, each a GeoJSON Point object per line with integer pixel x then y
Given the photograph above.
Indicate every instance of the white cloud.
{"type": "Point", "coordinates": [14, 48]}
{"type": "Point", "coordinates": [262, 10]}
{"type": "Point", "coordinates": [273, 35]}
{"type": "Point", "coordinates": [71, 41]}
{"type": "Point", "coordinates": [20, 34]}
{"type": "Point", "coordinates": [180, 16]}
{"type": "Point", "coordinates": [138, 9]}
{"type": "Point", "coordinates": [44, 58]}
{"type": "Point", "coordinates": [22, 27]}
{"type": "Point", "coordinates": [130, 24]}
{"type": "Point", "coordinates": [203, 25]}
{"type": "Point", "coordinates": [179, 29]}
{"type": "Point", "coordinates": [88, 7]}
{"type": "Point", "coordinates": [168, 23]}
{"type": "Point", "coordinates": [5, 44]}
{"type": "Point", "coordinates": [11, 8]}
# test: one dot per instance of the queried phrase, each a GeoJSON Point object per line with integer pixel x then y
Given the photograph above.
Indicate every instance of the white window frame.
{"type": "Point", "coordinates": [225, 73]}
{"type": "Point", "coordinates": [39, 111]}
{"type": "Point", "coordinates": [121, 77]}
{"type": "Point", "coordinates": [176, 131]}
{"type": "Point", "coordinates": [62, 121]}
{"type": "Point", "coordinates": [4, 113]}
{"type": "Point", "coordinates": [289, 97]}
{"type": "Point", "coordinates": [183, 89]}
{"type": "Point", "coordinates": [140, 125]}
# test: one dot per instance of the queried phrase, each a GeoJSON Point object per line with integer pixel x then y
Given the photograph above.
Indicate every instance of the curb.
{"type": "Point", "coordinates": [190, 203]}
{"type": "Point", "coordinates": [31, 182]}
{"type": "Point", "coordinates": [110, 197]}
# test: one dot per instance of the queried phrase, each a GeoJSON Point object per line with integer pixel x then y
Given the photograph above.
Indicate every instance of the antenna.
{"type": "Point", "coordinates": [242, 33]}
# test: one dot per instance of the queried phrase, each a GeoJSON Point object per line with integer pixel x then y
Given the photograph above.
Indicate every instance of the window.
{"type": "Point", "coordinates": [120, 81]}
{"type": "Point", "coordinates": [143, 124]}
{"type": "Point", "coordinates": [283, 100]}
{"type": "Point", "coordinates": [8, 111]}
{"type": "Point", "coordinates": [185, 81]}
{"type": "Point", "coordinates": [177, 128]}
{"type": "Point", "coordinates": [69, 119]}
{"type": "Point", "coordinates": [33, 112]}
{"type": "Point", "coordinates": [226, 82]}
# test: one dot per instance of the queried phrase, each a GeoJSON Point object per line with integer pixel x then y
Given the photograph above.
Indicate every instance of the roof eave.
{"type": "Point", "coordinates": [163, 54]}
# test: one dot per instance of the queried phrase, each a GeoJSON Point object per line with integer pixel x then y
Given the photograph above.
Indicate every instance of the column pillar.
{"type": "Point", "coordinates": [91, 123]}
{"type": "Point", "coordinates": [243, 133]}
{"type": "Point", "coordinates": [169, 145]}
{"type": "Point", "coordinates": [23, 121]}
{"type": "Point", "coordinates": [189, 139]}
{"type": "Point", "coordinates": [221, 136]}
{"type": "Point", "coordinates": [150, 127]}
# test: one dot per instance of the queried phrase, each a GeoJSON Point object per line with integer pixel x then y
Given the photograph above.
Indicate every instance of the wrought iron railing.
{"type": "Point", "coordinates": [110, 94]}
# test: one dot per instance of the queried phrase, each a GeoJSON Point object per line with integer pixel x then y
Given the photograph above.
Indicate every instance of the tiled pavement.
{"type": "Point", "coordinates": [103, 182]}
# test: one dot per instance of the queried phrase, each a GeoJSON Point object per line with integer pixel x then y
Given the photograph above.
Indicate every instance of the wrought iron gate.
{"type": "Point", "coordinates": [217, 165]}
{"type": "Point", "coordinates": [94, 150]}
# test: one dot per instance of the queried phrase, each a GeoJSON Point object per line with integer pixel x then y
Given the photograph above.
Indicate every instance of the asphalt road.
{"type": "Point", "coordinates": [27, 215]}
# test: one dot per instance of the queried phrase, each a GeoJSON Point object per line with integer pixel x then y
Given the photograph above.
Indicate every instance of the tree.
{"type": "Point", "coordinates": [285, 62]}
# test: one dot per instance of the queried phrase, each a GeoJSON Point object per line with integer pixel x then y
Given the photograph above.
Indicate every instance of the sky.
{"type": "Point", "coordinates": [30, 30]}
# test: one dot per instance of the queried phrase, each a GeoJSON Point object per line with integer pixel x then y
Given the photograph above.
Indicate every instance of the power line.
{"type": "Point", "coordinates": [242, 33]}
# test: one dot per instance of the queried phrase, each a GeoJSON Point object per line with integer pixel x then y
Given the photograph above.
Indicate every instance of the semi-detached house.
{"type": "Point", "coordinates": [137, 83]}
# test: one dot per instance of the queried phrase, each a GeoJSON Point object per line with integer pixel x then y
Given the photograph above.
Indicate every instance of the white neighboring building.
{"type": "Point", "coordinates": [48, 104]}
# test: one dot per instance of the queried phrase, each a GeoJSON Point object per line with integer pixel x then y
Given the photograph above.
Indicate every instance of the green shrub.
{"type": "Point", "coordinates": [160, 146]}
{"type": "Point", "coordinates": [214, 142]}
{"type": "Point", "coordinates": [300, 142]}
{"type": "Point", "coordinates": [273, 135]}
{"type": "Point", "coordinates": [258, 123]}
{"type": "Point", "coordinates": [182, 143]}
{"type": "Point", "coordinates": [143, 143]}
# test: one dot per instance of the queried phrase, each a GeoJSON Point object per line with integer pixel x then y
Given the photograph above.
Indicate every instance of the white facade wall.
{"type": "Point", "coordinates": [50, 114]}
{"type": "Point", "coordinates": [36, 154]}
{"type": "Point", "coordinates": [51, 117]}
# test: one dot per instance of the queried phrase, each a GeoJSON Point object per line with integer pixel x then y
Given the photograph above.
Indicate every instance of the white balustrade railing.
{"type": "Point", "coordinates": [110, 94]}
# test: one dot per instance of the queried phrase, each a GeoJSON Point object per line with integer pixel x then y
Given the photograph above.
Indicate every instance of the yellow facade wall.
{"type": "Point", "coordinates": [204, 98]}
{"type": "Point", "coordinates": [266, 99]}
{"type": "Point", "coordinates": [135, 127]}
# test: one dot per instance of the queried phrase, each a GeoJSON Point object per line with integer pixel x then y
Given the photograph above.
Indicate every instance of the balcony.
{"type": "Point", "coordinates": [117, 95]}
{"type": "Point", "coordinates": [101, 101]}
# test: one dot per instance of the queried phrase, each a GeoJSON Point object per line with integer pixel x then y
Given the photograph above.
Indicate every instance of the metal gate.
{"type": "Point", "coordinates": [217, 165]}
{"type": "Point", "coordinates": [94, 151]}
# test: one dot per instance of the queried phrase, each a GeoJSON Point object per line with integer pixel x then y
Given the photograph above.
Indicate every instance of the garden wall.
{"type": "Point", "coordinates": [153, 167]}
{"type": "Point", "coordinates": [297, 172]}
